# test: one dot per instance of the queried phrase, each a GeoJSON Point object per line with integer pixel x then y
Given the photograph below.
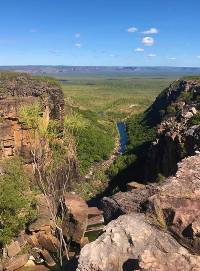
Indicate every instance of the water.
{"type": "Point", "coordinates": [123, 136]}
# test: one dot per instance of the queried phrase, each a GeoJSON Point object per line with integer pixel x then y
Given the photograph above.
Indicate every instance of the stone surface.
{"type": "Point", "coordinates": [175, 203]}
{"type": "Point", "coordinates": [76, 224]}
{"type": "Point", "coordinates": [135, 185]}
{"type": "Point", "coordinates": [16, 263]}
{"type": "Point", "coordinates": [18, 90]}
{"type": "Point", "coordinates": [132, 243]}
{"type": "Point", "coordinates": [48, 242]}
{"type": "Point", "coordinates": [13, 249]}
{"type": "Point", "coordinates": [48, 259]}
{"type": "Point", "coordinates": [157, 260]}
{"type": "Point", "coordinates": [94, 211]}
{"type": "Point", "coordinates": [125, 202]}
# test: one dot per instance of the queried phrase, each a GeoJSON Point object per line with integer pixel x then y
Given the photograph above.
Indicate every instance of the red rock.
{"type": "Point", "coordinates": [94, 211]}
{"type": "Point", "coordinates": [16, 263]}
{"type": "Point", "coordinates": [13, 249]}
{"type": "Point", "coordinates": [75, 226]}
{"type": "Point", "coordinates": [33, 240]}
{"type": "Point", "coordinates": [48, 242]}
{"type": "Point", "coordinates": [48, 259]}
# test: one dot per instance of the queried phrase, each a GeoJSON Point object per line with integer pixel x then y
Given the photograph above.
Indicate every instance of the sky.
{"type": "Point", "coordinates": [100, 32]}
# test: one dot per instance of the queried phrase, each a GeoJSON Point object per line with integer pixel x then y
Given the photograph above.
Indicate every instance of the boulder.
{"type": "Point", "coordinates": [132, 243]}
{"type": "Point", "coordinates": [76, 224]}
{"type": "Point", "coordinates": [33, 240]}
{"type": "Point", "coordinates": [48, 242]}
{"type": "Point", "coordinates": [94, 211]}
{"type": "Point", "coordinates": [44, 215]}
{"type": "Point", "coordinates": [177, 202]}
{"type": "Point", "coordinates": [48, 259]}
{"type": "Point", "coordinates": [125, 202]}
{"type": "Point", "coordinates": [13, 249]}
{"type": "Point", "coordinates": [16, 262]}
{"type": "Point", "coordinates": [177, 261]}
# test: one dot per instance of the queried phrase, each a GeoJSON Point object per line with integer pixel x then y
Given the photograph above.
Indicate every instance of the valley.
{"type": "Point", "coordinates": [95, 150]}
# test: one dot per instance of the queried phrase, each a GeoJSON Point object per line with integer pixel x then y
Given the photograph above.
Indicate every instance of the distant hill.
{"type": "Point", "coordinates": [60, 71]}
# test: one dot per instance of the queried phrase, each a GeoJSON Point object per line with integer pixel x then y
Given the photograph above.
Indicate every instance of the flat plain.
{"type": "Point", "coordinates": [113, 95]}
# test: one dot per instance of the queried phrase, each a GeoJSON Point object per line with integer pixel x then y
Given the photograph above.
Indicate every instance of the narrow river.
{"type": "Point", "coordinates": [123, 136]}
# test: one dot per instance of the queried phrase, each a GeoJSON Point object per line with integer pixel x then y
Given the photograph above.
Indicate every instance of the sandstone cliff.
{"type": "Point", "coordinates": [177, 137]}
{"type": "Point", "coordinates": [17, 90]}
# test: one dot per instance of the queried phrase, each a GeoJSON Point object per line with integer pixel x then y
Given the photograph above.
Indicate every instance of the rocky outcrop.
{"type": "Point", "coordinates": [175, 203]}
{"type": "Point", "coordinates": [125, 202]}
{"type": "Point", "coordinates": [17, 90]}
{"type": "Point", "coordinates": [161, 228]}
{"type": "Point", "coordinates": [176, 137]}
{"type": "Point", "coordinates": [133, 243]}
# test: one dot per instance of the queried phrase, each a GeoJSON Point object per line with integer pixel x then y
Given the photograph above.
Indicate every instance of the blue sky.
{"type": "Point", "coordinates": [100, 32]}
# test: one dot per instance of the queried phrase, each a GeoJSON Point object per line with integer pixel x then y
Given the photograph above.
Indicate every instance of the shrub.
{"type": "Point", "coordinates": [171, 109]}
{"type": "Point", "coordinates": [195, 120]}
{"type": "Point", "coordinates": [16, 202]}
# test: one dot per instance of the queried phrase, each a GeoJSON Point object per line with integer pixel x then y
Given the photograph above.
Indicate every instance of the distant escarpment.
{"type": "Point", "coordinates": [176, 115]}
{"type": "Point", "coordinates": [16, 91]}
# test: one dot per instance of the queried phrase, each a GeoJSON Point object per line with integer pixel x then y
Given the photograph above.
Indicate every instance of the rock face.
{"type": "Point", "coordinates": [76, 223]}
{"type": "Point", "coordinates": [175, 203]}
{"type": "Point", "coordinates": [126, 202]}
{"type": "Point", "coordinates": [177, 137]}
{"type": "Point", "coordinates": [17, 90]}
{"type": "Point", "coordinates": [132, 243]}
{"type": "Point", "coordinates": [161, 221]}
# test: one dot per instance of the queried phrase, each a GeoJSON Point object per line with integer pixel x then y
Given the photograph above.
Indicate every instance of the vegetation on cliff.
{"type": "Point", "coordinates": [16, 200]}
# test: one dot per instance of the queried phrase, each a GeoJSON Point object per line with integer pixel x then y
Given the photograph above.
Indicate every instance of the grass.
{"type": "Point", "coordinates": [116, 96]}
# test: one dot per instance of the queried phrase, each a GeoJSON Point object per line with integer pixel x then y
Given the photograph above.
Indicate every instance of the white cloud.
{"type": "Point", "coordinates": [33, 30]}
{"type": "Point", "coordinates": [77, 35]}
{"type": "Point", "coordinates": [152, 55]}
{"type": "Point", "coordinates": [132, 29]}
{"type": "Point", "coordinates": [148, 41]}
{"type": "Point", "coordinates": [139, 50]}
{"type": "Point", "coordinates": [172, 58]}
{"type": "Point", "coordinates": [78, 45]}
{"type": "Point", "coordinates": [198, 56]}
{"type": "Point", "coordinates": [151, 31]}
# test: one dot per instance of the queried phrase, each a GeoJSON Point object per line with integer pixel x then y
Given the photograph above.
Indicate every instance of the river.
{"type": "Point", "coordinates": [123, 136]}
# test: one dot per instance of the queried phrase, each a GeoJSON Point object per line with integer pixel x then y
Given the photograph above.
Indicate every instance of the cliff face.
{"type": "Point", "coordinates": [17, 90]}
{"type": "Point", "coordinates": [174, 113]}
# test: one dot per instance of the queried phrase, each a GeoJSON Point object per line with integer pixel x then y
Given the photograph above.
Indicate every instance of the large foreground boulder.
{"type": "Point", "coordinates": [174, 204]}
{"type": "Point", "coordinates": [133, 243]}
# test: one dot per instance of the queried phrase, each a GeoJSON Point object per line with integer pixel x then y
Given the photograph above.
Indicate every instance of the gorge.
{"type": "Point", "coordinates": [151, 226]}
